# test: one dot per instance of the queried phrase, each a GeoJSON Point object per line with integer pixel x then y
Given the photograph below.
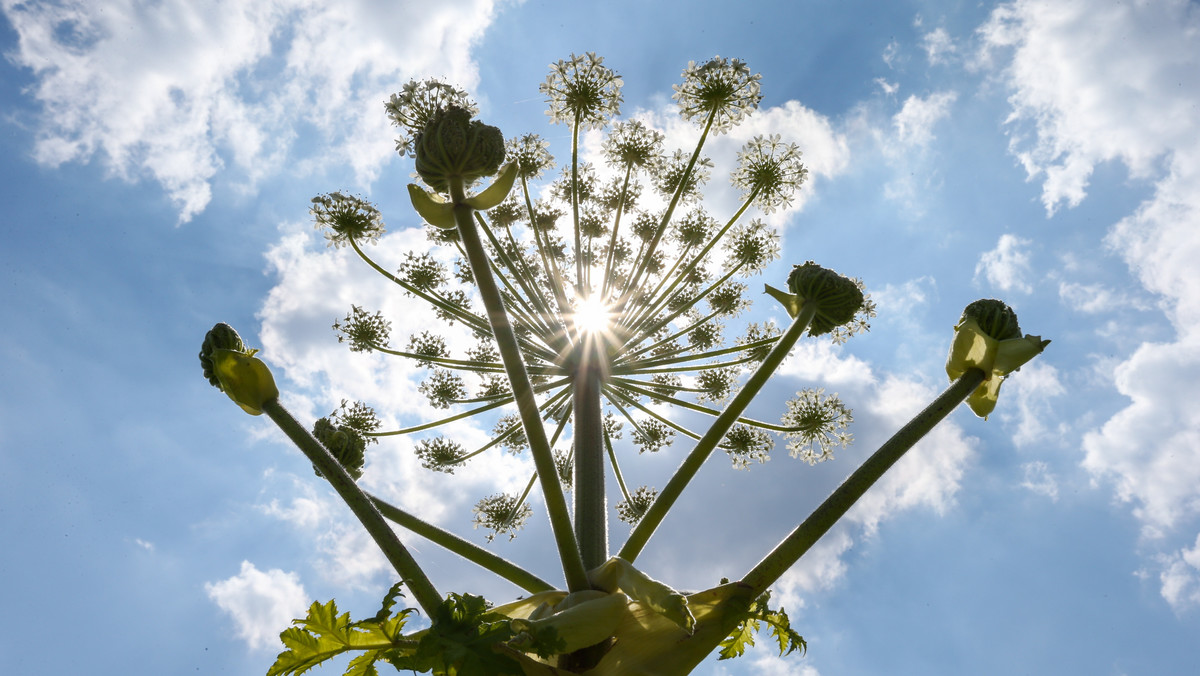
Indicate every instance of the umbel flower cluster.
{"type": "Point", "coordinates": [621, 261]}
{"type": "Point", "coordinates": [601, 301]}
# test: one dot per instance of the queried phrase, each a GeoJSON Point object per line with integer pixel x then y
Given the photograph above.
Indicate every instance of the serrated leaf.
{"type": "Point", "coordinates": [324, 634]}
{"type": "Point", "coordinates": [781, 630]}
{"type": "Point", "coordinates": [364, 664]}
{"type": "Point", "coordinates": [735, 644]}
{"type": "Point", "coordinates": [788, 639]}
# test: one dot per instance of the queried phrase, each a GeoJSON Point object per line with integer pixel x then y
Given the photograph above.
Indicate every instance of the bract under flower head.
{"type": "Point", "coordinates": [977, 348]}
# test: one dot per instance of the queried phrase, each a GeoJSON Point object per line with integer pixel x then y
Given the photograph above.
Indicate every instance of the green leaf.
{"type": "Point", "coordinates": [432, 207]}
{"type": "Point", "coordinates": [364, 664]}
{"type": "Point", "coordinates": [788, 639]}
{"type": "Point", "coordinates": [742, 636]}
{"type": "Point", "coordinates": [735, 644]}
{"type": "Point", "coordinates": [324, 634]}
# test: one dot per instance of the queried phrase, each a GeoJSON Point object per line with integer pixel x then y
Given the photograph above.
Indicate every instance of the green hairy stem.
{"type": "Point", "coordinates": [789, 551]}
{"type": "Point", "coordinates": [360, 504]}
{"type": "Point", "coordinates": [704, 448]}
{"type": "Point", "coordinates": [514, 365]}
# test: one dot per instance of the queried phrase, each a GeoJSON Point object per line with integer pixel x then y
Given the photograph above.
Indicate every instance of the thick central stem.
{"type": "Point", "coordinates": [591, 507]}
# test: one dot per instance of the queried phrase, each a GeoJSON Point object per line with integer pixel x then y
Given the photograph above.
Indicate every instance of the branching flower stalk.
{"type": "Point", "coordinates": [601, 331]}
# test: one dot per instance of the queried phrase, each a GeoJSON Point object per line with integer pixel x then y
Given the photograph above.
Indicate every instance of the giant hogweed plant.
{"type": "Point", "coordinates": [598, 307]}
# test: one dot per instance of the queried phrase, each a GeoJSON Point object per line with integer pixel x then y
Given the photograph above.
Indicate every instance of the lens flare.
{"type": "Point", "coordinates": [592, 315]}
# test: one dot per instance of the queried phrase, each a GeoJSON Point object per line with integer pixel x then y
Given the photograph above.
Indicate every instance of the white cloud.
{"type": "Point", "coordinates": [1028, 413]}
{"type": "Point", "coordinates": [891, 53]}
{"type": "Point", "coordinates": [938, 46]}
{"type": "Point", "coordinates": [820, 568]}
{"type": "Point", "coordinates": [1094, 298]}
{"type": "Point", "coordinates": [1181, 579]}
{"type": "Point", "coordinates": [901, 302]}
{"type": "Point", "coordinates": [261, 604]}
{"type": "Point", "coordinates": [1085, 79]}
{"type": "Point", "coordinates": [1088, 77]}
{"type": "Point", "coordinates": [1007, 266]}
{"type": "Point", "coordinates": [180, 92]}
{"type": "Point", "coordinates": [915, 121]}
{"type": "Point", "coordinates": [904, 141]}
{"type": "Point", "coordinates": [822, 361]}
{"type": "Point", "coordinates": [307, 510]}
{"type": "Point", "coordinates": [765, 660]}
{"type": "Point", "coordinates": [1039, 479]}
{"type": "Point", "coordinates": [1150, 450]}
{"type": "Point", "coordinates": [889, 88]}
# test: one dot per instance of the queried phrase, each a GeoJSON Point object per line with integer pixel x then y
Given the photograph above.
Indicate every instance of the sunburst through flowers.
{"type": "Point", "coordinates": [585, 259]}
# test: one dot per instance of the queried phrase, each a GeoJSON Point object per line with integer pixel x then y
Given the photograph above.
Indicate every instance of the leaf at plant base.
{"type": "Point", "coordinates": [364, 664]}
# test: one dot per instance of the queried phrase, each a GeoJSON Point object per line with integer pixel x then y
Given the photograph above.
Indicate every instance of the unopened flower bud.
{"type": "Point", "coordinates": [989, 338]}
{"type": "Point", "coordinates": [994, 317]}
{"type": "Point", "coordinates": [452, 145]}
{"type": "Point", "coordinates": [837, 298]}
{"type": "Point", "coordinates": [233, 369]}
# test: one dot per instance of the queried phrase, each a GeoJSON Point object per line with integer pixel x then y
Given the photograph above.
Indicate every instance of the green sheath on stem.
{"type": "Point", "coordinates": [805, 535]}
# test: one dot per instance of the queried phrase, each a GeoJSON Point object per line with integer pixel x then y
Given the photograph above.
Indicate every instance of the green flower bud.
{"type": "Point", "coordinates": [994, 317]}
{"type": "Point", "coordinates": [988, 338]}
{"type": "Point", "coordinates": [838, 299]}
{"type": "Point", "coordinates": [223, 337]}
{"type": "Point", "coordinates": [346, 444]}
{"type": "Point", "coordinates": [452, 145]}
{"type": "Point", "coordinates": [233, 369]}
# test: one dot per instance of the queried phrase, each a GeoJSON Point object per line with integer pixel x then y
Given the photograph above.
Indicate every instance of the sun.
{"type": "Point", "coordinates": [592, 315]}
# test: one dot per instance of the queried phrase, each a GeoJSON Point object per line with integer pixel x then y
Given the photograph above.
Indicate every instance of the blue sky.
{"type": "Point", "coordinates": [157, 164]}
